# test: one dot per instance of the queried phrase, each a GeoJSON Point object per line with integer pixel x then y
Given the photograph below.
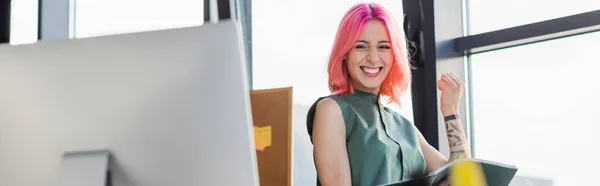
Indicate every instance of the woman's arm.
{"type": "Point", "coordinates": [329, 141]}
{"type": "Point", "coordinates": [459, 147]}
{"type": "Point", "coordinates": [451, 88]}
{"type": "Point", "coordinates": [433, 158]}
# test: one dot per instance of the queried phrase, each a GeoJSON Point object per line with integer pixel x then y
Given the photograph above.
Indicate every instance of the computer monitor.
{"type": "Point", "coordinates": [166, 107]}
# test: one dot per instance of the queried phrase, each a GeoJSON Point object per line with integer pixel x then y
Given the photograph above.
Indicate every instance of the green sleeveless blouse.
{"type": "Point", "coordinates": [382, 145]}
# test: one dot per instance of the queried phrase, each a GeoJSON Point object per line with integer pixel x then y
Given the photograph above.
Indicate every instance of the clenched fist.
{"type": "Point", "coordinates": [452, 89]}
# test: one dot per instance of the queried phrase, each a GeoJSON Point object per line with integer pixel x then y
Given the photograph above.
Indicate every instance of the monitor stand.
{"type": "Point", "coordinates": [89, 168]}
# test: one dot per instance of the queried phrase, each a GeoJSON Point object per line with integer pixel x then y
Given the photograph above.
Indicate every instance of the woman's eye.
{"type": "Point", "coordinates": [360, 47]}
{"type": "Point", "coordinates": [384, 47]}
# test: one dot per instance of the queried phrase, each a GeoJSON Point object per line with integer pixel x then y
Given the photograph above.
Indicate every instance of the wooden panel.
{"type": "Point", "coordinates": [274, 107]}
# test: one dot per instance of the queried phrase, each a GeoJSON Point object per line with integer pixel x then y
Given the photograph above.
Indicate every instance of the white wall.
{"type": "Point", "coordinates": [291, 42]}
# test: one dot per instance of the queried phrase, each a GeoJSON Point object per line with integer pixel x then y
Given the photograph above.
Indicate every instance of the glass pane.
{"type": "Point", "coordinates": [490, 15]}
{"type": "Point", "coordinates": [291, 41]}
{"type": "Point", "coordinates": [107, 17]}
{"type": "Point", "coordinates": [23, 22]}
{"type": "Point", "coordinates": [535, 106]}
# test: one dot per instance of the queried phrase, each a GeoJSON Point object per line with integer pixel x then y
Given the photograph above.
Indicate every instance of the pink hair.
{"type": "Point", "coordinates": [398, 79]}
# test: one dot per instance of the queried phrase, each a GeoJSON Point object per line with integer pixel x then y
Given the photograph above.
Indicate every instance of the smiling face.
{"type": "Point", "coordinates": [370, 59]}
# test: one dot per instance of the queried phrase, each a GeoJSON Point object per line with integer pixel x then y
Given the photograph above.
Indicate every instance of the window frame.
{"type": "Point", "coordinates": [444, 45]}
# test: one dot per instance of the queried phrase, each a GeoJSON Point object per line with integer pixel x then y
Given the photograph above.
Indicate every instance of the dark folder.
{"type": "Point", "coordinates": [496, 174]}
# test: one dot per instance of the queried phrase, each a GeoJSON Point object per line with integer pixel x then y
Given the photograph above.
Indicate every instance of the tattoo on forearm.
{"type": "Point", "coordinates": [454, 134]}
{"type": "Point", "coordinates": [456, 140]}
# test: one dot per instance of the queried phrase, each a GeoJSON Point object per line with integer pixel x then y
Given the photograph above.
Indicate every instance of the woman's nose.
{"type": "Point", "coordinates": [373, 56]}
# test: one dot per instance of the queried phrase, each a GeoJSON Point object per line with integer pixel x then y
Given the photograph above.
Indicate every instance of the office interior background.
{"type": "Point", "coordinates": [529, 66]}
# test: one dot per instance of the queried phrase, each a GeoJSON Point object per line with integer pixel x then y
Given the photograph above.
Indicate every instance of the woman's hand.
{"type": "Point", "coordinates": [446, 182]}
{"type": "Point", "coordinates": [452, 89]}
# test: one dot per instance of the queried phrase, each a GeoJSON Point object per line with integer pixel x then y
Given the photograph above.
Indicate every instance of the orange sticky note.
{"type": "Point", "coordinates": [262, 137]}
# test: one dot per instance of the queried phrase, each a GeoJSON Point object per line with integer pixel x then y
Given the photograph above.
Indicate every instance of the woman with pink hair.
{"type": "Point", "coordinates": [358, 141]}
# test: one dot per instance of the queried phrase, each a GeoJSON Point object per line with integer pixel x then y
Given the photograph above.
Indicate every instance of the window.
{"type": "Point", "coordinates": [107, 17]}
{"type": "Point", "coordinates": [535, 106]}
{"type": "Point", "coordinates": [490, 15]}
{"type": "Point", "coordinates": [23, 21]}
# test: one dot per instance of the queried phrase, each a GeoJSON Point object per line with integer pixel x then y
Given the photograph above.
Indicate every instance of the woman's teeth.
{"type": "Point", "coordinates": [371, 70]}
